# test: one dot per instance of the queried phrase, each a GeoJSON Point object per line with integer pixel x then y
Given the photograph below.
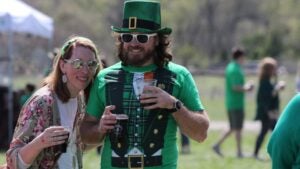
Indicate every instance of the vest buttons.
{"type": "Point", "coordinates": [151, 145]}
{"type": "Point", "coordinates": [160, 117]}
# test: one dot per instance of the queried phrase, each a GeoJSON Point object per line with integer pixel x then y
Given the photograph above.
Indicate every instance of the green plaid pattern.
{"type": "Point", "coordinates": [137, 115]}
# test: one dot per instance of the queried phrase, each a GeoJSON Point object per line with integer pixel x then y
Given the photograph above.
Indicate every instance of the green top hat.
{"type": "Point", "coordinates": [142, 16]}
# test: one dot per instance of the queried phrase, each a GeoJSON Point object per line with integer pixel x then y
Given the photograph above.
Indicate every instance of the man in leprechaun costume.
{"type": "Point", "coordinates": [148, 137]}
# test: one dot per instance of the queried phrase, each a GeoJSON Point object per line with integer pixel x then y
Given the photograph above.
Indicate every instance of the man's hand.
{"type": "Point", "coordinates": [93, 130]}
{"type": "Point", "coordinates": [108, 120]}
{"type": "Point", "coordinates": [156, 98]}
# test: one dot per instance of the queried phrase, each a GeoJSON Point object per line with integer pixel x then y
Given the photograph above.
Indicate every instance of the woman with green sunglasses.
{"type": "Point", "coordinates": [47, 132]}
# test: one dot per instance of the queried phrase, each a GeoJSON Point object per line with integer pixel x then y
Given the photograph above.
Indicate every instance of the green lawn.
{"type": "Point", "coordinates": [202, 156]}
{"type": "Point", "coordinates": [211, 90]}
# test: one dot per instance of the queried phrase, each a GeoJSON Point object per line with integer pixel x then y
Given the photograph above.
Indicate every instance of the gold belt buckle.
{"type": "Point", "coordinates": [136, 156]}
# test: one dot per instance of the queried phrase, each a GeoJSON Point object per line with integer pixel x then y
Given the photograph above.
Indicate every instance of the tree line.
{"type": "Point", "coordinates": [204, 31]}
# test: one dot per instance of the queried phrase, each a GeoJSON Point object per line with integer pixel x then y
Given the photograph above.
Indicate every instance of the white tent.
{"type": "Point", "coordinates": [17, 16]}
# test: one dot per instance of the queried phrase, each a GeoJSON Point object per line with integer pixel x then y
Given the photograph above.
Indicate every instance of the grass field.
{"type": "Point", "coordinates": [202, 156]}
{"type": "Point", "coordinates": [211, 90]}
{"type": "Point", "coordinates": [212, 95]}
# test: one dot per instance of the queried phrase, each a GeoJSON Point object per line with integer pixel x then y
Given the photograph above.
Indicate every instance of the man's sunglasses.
{"type": "Point", "coordinates": [141, 38]}
{"type": "Point", "coordinates": [78, 64]}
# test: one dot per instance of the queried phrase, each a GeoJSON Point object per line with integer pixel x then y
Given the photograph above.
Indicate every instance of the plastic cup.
{"type": "Point", "coordinates": [119, 131]}
{"type": "Point", "coordinates": [149, 82]}
{"type": "Point", "coordinates": [63, 146]}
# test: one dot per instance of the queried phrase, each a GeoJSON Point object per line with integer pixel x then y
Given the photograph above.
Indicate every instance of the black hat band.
{"type": "Point", "coordinates": [133, 23]}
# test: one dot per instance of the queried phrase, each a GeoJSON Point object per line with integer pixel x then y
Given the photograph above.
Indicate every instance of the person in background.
{"type": "Point", "coordinates": [235, 89]}
{"type": "Point", "coordinates": [44, 120]}
{"type": "Point", "coordinates": [149, 137]}
{"type": "Point", "coordinates": [29, 89]}
{"type": "Point", "coordinates": [267, 99]}
{"type": "Point", "coordinates": [185, 144]}
{"type": "Point", "coordinates": [297, 79]}
{"type": "Point", "coordinates": [3, 117]}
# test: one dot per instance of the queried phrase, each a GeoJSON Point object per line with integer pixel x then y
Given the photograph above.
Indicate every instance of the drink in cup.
{"type": "Point", "coordinates": [120, 129]}
{"type": "Point", "coordinates": [63, 146]}
{"type": "Point", "coordinates": [249, 85]}
{"type": "Point", "coordinates": [148, 82]}
{"type": "Point", "coordinates": [140, 83]}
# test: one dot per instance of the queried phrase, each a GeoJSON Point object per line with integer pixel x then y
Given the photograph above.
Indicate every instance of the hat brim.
{"type": "Point", "coordinates": [165, 31]}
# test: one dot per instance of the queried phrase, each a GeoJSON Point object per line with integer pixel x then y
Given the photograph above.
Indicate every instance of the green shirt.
{"type": "Point", "coordinates": [284, 143]}
{"type": "Point", "coordinates": [151, 132]}
{"type": "Point", "coordinates": [234, 77]}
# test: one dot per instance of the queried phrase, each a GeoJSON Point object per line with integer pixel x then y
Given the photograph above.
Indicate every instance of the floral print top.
{"type": "Point", "coordinates": [39, 113]}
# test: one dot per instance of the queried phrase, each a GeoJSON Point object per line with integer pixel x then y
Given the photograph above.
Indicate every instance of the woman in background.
{"type": "Point", "coordinates": [267, 99]}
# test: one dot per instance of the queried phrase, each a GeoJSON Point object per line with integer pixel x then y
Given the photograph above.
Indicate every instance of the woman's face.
{"type": "Point", "coordinates": [78, 69]}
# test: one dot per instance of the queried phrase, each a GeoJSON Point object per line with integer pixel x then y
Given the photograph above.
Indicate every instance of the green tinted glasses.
{"type": "Point", "coordinates": [78, 64]}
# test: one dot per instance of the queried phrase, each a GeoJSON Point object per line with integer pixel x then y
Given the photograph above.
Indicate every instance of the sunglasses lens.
{"type": "Point", "coordinates": [92, 64]}
{"type": "Point", "coordinates": [142, 38]}
{"type": "Point", "coordinates": [77, 64]}
{"type": "Point", "coordinates": [126, 37]}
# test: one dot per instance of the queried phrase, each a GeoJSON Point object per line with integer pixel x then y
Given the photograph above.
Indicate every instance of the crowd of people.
{"type": "Point", "coordinates": [267, 100]}
{"type": "Point", "coordinates": [83, 104]}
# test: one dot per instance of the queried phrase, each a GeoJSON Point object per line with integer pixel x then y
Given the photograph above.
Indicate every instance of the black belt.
{"type": "Point", "coordinates": [136, 161]}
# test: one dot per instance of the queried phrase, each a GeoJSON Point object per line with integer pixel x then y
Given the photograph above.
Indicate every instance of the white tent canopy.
{"type": "Point", "coordinates": [17, 16]}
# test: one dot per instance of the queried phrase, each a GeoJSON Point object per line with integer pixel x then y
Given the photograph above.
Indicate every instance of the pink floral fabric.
{"type": "Point", "coordinates": [40, 112]}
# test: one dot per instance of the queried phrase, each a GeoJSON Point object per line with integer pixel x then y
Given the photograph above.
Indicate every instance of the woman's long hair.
{"type": "Point", "coordinates": [267, 68]}
{"type": "Point", "coordinates": [54, 79]}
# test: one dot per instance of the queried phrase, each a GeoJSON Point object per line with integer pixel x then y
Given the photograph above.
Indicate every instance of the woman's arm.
{"type": "Point", "coordinates": [52, 136]}
{"type": "Point", "coordinates": [30, 136]}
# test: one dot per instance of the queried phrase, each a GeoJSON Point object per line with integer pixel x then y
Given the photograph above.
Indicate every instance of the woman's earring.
{"type": "Point", "coordinates": [64, 78]}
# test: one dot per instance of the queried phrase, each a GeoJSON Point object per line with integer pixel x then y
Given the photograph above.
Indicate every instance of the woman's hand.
{"type": "Point", "coordinates": [52, 136]}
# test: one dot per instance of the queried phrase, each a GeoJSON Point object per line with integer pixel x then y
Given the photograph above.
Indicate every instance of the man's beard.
{"type": "Point", "coordinates": [138, 60]}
